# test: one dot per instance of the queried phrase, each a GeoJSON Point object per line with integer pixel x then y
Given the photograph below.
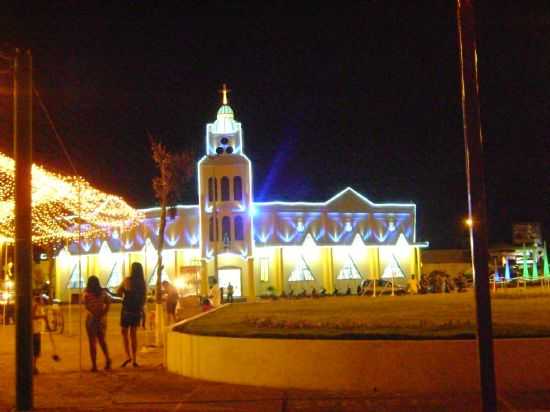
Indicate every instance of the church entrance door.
{"type": "Point", "coordinates": [233, 276]}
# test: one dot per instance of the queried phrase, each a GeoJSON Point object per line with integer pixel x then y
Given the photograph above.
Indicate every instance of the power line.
{"type": "Point", "coordinates": [54, 129]}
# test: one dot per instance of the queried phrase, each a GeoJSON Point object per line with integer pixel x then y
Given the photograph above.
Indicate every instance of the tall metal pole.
{"type": "Point", "coordinates": [22, 140]}
{"type": "Point", "coordinates": [473, 142]}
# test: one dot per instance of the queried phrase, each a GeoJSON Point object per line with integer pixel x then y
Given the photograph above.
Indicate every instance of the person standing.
{"type": "Point", "coordinates": [133, 292]}
{"type": "Point", "coordinates": [215, 297]}
{"type": "Point", "coordinates": [38, 317]}
{"type": "Point", "coordinates": [172, 297]}
{"type": "Point", "coordinates": [97, 305]}
{"type": "Point", "coordinates": [230, 293]}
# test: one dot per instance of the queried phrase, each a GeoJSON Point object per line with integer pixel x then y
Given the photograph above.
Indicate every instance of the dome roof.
{"type": "Point", "coordinates": [225, 111]}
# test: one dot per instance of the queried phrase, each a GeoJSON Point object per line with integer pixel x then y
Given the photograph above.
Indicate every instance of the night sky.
{"type": "Point", "coordinates": [366, 97]}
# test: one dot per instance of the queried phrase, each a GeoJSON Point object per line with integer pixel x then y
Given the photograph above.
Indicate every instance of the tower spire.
{"type": "Point", "coordinates": [224, 91]}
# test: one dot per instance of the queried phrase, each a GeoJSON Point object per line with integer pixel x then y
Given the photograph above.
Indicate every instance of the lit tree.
{"type": "Point", "coordinates": [175, 171]}
{"type": "Point", "coordinates": [525, 268]}
{"type": "Point", "coordinates": [545, 267]}
{"type": "Point", "coordinates": [535, 263]}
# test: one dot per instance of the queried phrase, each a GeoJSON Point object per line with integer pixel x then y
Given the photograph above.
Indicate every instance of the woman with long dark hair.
{"type": "Point", "coordinates": [97, 304]}
{"type": "Point", "coordinates": [133, 292]}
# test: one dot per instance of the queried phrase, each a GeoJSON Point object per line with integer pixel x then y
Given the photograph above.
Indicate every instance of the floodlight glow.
{"type": "Point", "coordinates": [335, 237]}
{"type": "Point", "coordinates": [301, 272]}
{"type": "Point", "coordinates": [357, 246]}
{"type": "Point", "coordinates": [180, 283]}
{"type": "Point", "coordinates": [172, 240]}
{"type": "Point", "coordinates": [264, 237]}
{"type": "Point", "coordinates": [192, 239]}
{"type": "Point", "coordinates": [545, 266]}
{"type": "Point", "coordinates": [86, 246]}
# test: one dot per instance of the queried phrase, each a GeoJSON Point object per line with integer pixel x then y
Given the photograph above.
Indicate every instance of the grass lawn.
{"type": "Point", "coordinates": [516, 313]}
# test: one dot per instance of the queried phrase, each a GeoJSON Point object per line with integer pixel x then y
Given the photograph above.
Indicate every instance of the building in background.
{"type": "Point", "coordinates": [258, 247]}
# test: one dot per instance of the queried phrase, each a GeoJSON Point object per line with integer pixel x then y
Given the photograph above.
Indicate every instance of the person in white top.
{"type": "Point", "coordinates": [215, 294]}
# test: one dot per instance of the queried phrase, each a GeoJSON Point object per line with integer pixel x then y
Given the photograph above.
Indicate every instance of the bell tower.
{"type": "Point", "coordinates": [225, 204]}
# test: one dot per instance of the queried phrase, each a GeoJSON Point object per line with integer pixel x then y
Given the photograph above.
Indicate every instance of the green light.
{"type": "Point", "coordinates": [545, 268]}
{"type": "Point", "coordinates": [525, 268]}
{"type": "Point", "coordinates": [535, 265]}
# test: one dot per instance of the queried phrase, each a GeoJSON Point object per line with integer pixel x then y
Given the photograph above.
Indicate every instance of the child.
{"type": "Point", "coordinates": [97, 305]}
{"type": "Point", "coordinates": [38, 315]}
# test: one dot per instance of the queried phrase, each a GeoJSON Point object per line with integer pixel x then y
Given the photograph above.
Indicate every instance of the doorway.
{"type": "Point", "coordinates": [233, 276]}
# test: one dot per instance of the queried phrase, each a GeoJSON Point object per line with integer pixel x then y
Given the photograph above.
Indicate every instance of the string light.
{"type": "Point", "coordinates": [60, 204]}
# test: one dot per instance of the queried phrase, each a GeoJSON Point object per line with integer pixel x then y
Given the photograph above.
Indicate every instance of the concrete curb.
{"type": "Point", "coordinates": [366, 365]}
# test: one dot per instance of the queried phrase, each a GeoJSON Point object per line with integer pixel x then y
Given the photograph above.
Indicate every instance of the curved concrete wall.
{"type": "Point", "coordinates": [365, 365]}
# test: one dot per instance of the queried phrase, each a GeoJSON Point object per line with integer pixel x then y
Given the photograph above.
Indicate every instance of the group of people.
{"type": "Point", "coordinates": [216, 296]}
{"type": "Point", "coordinates": [97, 303]}
{"type": "Point", "coordinates": [133, 292]}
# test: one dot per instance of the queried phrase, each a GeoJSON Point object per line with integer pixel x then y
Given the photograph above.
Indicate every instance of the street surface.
{"type": "Point", "coordinates": [69, 386]}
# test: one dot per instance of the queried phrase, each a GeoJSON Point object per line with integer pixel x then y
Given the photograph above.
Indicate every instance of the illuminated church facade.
{"type": "Point", "coordinates": [259, 247]}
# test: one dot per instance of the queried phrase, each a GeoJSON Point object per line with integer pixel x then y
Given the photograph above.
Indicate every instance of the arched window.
{"type": "Point", "coordinates": [225, 188]}
{"type": "Point", "coordinates": [226, 229]}
{"type": "Point", "coordinates": [212, 189]}
{"type": "Point", "coordinates": [211, 228]}
{"type": "Point", "coordinates": [213, 232]}
{"type": "Point", "coordinates": [237, 188]}
{"type": "Point", "coordinates": [239, 228]}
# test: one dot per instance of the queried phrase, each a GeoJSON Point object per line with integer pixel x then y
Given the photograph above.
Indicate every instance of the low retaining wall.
{"type": "Point", "coordinates": [363, 365]}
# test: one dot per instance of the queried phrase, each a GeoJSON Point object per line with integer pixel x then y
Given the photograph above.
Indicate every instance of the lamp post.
{"type": "Point", "coordinates": [473, 145]}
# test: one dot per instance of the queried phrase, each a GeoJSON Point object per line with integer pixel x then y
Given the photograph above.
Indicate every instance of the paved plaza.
{"type": "Point", "coordinates": [69, 386]}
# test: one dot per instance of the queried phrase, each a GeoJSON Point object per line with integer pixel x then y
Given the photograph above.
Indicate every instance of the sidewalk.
{"type": "Point", "coordinates": [62, 387]}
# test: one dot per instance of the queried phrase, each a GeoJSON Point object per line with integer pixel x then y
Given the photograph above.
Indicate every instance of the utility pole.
{"type": "Point", "coordinates": [22, 142]}
{"type": "Point", "coordinates": [473, 144]}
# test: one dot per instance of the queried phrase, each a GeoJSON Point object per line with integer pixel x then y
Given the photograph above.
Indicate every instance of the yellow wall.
{"type": "Point", "coordinates": [271, 254]}
{"type": "Point", "coordinates": [281, 262]}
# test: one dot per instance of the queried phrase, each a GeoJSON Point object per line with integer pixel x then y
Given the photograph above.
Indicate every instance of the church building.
{"type": "Point", "coordinates": [261, 248]}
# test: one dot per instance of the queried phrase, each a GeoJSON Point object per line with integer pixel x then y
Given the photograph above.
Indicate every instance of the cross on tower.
{"type": "Point", "coordinates": [224, 91]}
